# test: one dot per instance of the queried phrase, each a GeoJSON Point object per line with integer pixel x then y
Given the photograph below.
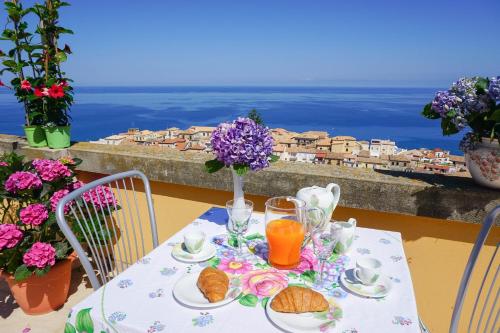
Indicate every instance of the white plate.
{"type": "Point", "coordinates": [379, 290]}
{"type": "Point", "coordinates": [299, 322]}
{"type": "Point", "coordinates": [187, 293]}
{"type": "Point", "coordinates": [207, 252]}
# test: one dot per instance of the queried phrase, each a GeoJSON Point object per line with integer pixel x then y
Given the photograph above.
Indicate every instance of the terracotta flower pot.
{"type": "Point", "coordinates": [40, 295]}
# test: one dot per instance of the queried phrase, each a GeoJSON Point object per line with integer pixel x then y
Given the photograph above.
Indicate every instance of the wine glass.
{"type": "Point", "coordinates": [315, 219]}
{"type": "Point", "coordinates": [239, 215]}
{"type": "Point", "coordinates": [324, 241]}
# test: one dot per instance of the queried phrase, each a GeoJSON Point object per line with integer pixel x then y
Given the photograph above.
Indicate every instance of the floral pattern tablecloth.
{"type": "Point", "coordinates": [140, 299]}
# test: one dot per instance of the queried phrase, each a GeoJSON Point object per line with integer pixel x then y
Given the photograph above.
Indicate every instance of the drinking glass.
{"type": "Point", "coordinates": [324, 241]}
{"type": "Point", "coordinates": [285, 229]}
{"type": "Point", "coordinates": [315, 219]}
{"type": "Point", "coordinates": [239, 216]}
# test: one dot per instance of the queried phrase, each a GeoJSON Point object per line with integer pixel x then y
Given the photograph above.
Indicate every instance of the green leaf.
{"type": "Point", "coordinates": [84, 322]}
{"type": "Point", "coordinates": [448, 127]}
{"type": "Point", "coordinates": [61, 249]}
{"type": "Point", "coordinates": [254, 236]}
{"type": "Point", "coordinates": [482, 85]}
{"type": "Point", "coordinates": [240, 169]}
{"type": "Point", "coordinates": [68, 328]}
{"type": "Point", "coordinates": [61, 57]}
{"type": "Point", "coordinates": [264, 301]}
{"type": "Point", "coordinates": [233, 240]}
{"type": "Point", "coordinates": [9, 63]}
{"type": "Point", "coordinates": [213, 165]}
{"type": "Point", "coordinates": [308, 276]}
{"type": "Point", "coordinates": [214, 262]}
{"type": "Point", "coordinates": [292, 275]}
{"type": "Point", "coordinates": [249, 300]}
{"type": "Point", "coordinates": [495, 116]}
{"type": "Point", "coordinates": [429, 113]}
{"type": "Point", "coordinates": [274, 158]}
{"type": "Point", "coordinates": [22, 272]}
{"type": "Point", "coordinates": [46, 189]}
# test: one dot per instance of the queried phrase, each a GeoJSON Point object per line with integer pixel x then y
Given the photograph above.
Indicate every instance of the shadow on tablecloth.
{"type": "Point", "coordinates": [215, 215]}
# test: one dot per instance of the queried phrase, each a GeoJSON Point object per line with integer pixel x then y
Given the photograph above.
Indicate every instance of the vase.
{"type": "Point", "coordinates": [58, 137]}
{"type": "Point", "coordinates": [35, 135]}
{"type": "Point", "coordinates": [238, 200]}
{"type": "Point", "coordinates": [483, 163]}
{"type": "Point", "coordinates": [40, 295]}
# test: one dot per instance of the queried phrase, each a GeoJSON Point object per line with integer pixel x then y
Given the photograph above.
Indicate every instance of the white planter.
{"type": "Point", "coordinates": [483, 163]}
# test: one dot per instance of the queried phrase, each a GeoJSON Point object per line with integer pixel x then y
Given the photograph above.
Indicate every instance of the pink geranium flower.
{"type": "Point", "coordinates": [10, 235]}
{"type": "Point", "coordinates": [50, 170]}
{"type": "Point", "coordinates": [22, 180]}
{"type": "Point", "coordinates": [40, 255]}
{"type": "Point", "coordinates": [264, 283]}
{"type": "Point", "coordinates": [235, 266]}
{"type": "Point", "coordinates": [34, 214]}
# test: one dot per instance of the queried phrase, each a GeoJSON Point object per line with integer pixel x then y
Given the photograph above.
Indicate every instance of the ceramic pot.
{"type": "Point", "coordinates": [41, 295]}
{"type": "Point", "coordinates": [35, 135]}
{"type": "Point", "coordinates": [325, 198]}
{"type": "Point", "coordinates": [483, 163]}
{"type": "Point", "coordinates": [58, 137]}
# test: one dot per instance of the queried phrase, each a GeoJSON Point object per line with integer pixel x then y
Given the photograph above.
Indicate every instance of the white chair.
{"type": "Point", "coordinates": [109, 227]}
{"type": "Point", "coordinates": [485, 313]}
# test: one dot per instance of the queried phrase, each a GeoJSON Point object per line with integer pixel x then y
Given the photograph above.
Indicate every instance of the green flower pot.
{"type": "Point", "coordinates": [35, 135]}
{"type": "Point", "coordinates": [58, 137]}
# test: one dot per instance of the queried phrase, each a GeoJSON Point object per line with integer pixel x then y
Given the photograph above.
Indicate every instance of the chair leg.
{"type": "Point", "coordinates": [423, 328]}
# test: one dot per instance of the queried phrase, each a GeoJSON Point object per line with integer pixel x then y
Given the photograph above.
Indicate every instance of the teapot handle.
{"type": "Point", "coordinates": [336, 193]}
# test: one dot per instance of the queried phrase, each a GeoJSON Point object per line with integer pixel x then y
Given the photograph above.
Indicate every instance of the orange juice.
{"type": "Point", "coordinates": [285, 239]}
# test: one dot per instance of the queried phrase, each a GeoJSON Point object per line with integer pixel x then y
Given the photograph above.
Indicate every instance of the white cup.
{"type": "Point", "coordinates": [193, 241]}
{"type": "Point", "coordinates": [367, 270]}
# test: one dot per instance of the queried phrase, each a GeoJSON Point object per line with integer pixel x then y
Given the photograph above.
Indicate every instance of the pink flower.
{"type": "Point", "coordinates": [3, 164]}
{"type": "Point", "coordinates": [22, 180]}
{"type": "Point", "coordinates": [235, 266]}
{"type": "Point", "coordinates": [10, 235]}
{"type": "Point", "coordinates": [76, 185]}
{"type": "Point", "coordinates": [25, 85]}
{"type": "Point", "coordinates": [308, 261]}
{"type": "Point", "coordinates": [50, 170]}
{"type": "Point", "coordinates": [40, 255]}
{"type": "Point", "coordinates": [34, 214]}
{"type": "Point", "coordinates": [67, 160]}
{"type": "Point", "coordinates": [101, 197]}
{"type": "Point", "coordinates": [264, 283]}
{"type": "Point", "coordinates": [56, 197]}
{"type": "Point", "coordinates": [63, 84]}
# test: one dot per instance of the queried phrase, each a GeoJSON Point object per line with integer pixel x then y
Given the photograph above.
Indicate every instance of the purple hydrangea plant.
{"type": "Point", "coordinates": [242, 144]}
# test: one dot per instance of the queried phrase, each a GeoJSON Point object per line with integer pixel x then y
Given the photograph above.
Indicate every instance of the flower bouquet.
{"type": "Point", "coordinates": [241, 145]}
{"type": "Point", "coordinates": [473, 103]}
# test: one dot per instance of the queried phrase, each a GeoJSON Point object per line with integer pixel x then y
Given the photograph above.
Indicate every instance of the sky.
{"type": "Point", "coordinates": [303, 43]}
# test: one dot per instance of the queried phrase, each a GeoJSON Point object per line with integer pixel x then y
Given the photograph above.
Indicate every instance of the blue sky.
{"type": "Point", "coordinates": [368, 43]}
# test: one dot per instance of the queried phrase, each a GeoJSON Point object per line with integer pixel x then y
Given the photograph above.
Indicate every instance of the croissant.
{"type": "Point", "coordinates": [213, 283]}
{"type": "Point", "coordinates": [299, 300]}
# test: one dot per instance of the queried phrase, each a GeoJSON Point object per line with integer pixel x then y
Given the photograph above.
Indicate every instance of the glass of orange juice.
{"type": "Point", "coordinates": [285, 231]}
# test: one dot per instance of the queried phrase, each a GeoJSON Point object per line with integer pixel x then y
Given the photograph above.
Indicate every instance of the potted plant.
{"type": "Point", "coordinates": [34, 64]}
{"type": "Point", "coordinates": [473, 103]}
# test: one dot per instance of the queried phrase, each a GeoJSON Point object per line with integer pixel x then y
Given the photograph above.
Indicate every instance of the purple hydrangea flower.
{"type": "Point", "coordinates": [243, 142]}
{"type": "Point", "coordinates": [444, 101]}
{"type": "Point", "coordinates": [494, 88]}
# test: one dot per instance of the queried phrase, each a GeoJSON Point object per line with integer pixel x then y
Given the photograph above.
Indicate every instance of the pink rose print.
{"type": "Point", "coordinates": [264, 283]}
{"type": "Point", "coordinates": [235, 266]}
{"type": "Point", "coordinates": [308, 261]}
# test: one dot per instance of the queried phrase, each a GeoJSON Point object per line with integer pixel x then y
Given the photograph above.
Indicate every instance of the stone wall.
{"type": "Point", "coordinates": [438, 196]}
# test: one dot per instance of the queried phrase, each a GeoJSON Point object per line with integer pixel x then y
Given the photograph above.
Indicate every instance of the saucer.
{"type": "Point", "coordinates": [379, 290]}
{"type": "Point", "coordinates": [188, 294]}
{"type": "Point", "coordinates": [181, 254]}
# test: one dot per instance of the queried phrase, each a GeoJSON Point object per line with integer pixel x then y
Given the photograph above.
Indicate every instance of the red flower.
{"type": "Point", "coordinates": [26, 85]}
{"type": "Point", "coordinates": [63, 84]}
{"type": "Point", "coordinates": [41, 91]}
{"type": "Point", "coordinates": [56, 91]}
{"type": "Point", "coordinates": [1, 84]}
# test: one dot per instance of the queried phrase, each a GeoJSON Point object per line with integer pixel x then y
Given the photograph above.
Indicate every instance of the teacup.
{"type": "Point", "coordinates": [193, 241]}
{"type": "Point", "coordinates": [367, 270]}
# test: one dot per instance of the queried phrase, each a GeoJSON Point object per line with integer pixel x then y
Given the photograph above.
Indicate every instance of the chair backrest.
{"type": "Point", "coordinates": [486, 309]}
{"type": "Point", "coordinates": [102, 222]}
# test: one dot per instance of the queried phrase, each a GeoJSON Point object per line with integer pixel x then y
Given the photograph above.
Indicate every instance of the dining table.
{"type": "Point", "coordinates": [140, 299]}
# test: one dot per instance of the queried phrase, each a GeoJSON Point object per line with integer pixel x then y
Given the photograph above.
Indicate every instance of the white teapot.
{"type": "Point", "coordinates": [321, 197]}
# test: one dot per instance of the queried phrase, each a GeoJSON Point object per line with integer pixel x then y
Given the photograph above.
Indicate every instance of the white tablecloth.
{"type": "Point", "coordinates": [140, 299]}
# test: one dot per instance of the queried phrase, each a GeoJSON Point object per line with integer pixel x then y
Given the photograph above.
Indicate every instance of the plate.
{"type": "Point", "coordinates": [188, 294]}
{"type": "Point", "coordinates": [379, 290]}
{"type": "Point", "coordinates": [207, 252]}
{"type": "Point", "coordinates": [305, 322]}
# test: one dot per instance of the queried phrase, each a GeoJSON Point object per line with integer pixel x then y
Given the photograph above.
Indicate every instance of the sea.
{"type": "Point", "coordinates": [365, 113]}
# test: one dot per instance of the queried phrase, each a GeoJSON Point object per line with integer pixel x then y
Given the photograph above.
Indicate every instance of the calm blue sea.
{"type": "Point", "coordinates": [386, 113]}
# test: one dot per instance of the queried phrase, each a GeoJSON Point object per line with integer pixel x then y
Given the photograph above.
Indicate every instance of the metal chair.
{"type": "Point", "coordinates": [101, 221]}
{"type": "Point", "coordinates": [486, 309]}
